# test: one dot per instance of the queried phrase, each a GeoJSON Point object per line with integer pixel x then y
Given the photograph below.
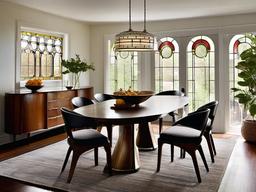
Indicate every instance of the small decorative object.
{"type": "Point", "coordinates": [69, 87]}
{"type": "Point", "coordinates": [34, 84]}
{"type": "Point", "coordinates": [76, 66]}
{"type": "Point", "coordinates": [246, 93]}
{"type": "Point", "coordinates": [130, 98]}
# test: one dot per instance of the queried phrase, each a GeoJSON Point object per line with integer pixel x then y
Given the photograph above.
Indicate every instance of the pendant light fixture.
{"type": "Point", "coordinates": [135, 40]}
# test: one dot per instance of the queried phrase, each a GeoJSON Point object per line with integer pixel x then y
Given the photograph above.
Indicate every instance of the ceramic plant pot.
{"type": "Point", "coordinates": [249, 130]}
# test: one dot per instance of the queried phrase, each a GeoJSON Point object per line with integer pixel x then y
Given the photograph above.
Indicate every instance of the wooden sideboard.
{"type": "Point", "coordinates": [26, 112]}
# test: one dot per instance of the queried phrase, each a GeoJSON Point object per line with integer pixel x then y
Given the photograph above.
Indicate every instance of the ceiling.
{"type": "Point", "coordinates": [117, 10]}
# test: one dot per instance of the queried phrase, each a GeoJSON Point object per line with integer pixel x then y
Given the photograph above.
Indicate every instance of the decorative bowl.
{"type": "Point", "coordinates": [134, 99]}
{"type": "Point", "coordinates": [69, 87]}
{"type": "Point", "coordinates": [34, 88]}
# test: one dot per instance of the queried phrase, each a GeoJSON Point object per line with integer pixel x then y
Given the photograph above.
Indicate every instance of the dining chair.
{"type": "Point", "coordinates": [186, 133]}
{"type": "Point", "coordinates": [208, 130]}
{"type": "Point", "coordinates": [172, 114]}
{"type": "Point", "coordinates": [83, 139]}
{"type": "Point", "coordinates": [100, 97]}
{"type": "Point", "coordinates": [81, 101]}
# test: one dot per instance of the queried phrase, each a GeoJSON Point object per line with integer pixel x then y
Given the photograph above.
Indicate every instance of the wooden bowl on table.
{"type": "Point", "coordinates": [34, 88]}
{"type": "Point", "coordinates": [132, 100]}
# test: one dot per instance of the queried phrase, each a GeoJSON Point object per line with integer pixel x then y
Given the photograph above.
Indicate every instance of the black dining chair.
{"type": "Point", "coordinates": [81, 101]}
{"type": "Point", "coordinates": [208, 130]}
{"type": "Point", "coordinates": [100, 97]}
{"type": "Point", "coordinates": [186, 133]}
{"type": "Point", "coordinates": [172, 114]}
{"type": "Point", "coordinates": [82, 140]}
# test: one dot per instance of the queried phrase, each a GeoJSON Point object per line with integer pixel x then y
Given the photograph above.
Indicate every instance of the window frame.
{"type": "Point", "coordinates": [23, 27]}
{"type": "Point", "coordinates": [212, 78]}
{"type": "Point", "coordinates": [174, 46]}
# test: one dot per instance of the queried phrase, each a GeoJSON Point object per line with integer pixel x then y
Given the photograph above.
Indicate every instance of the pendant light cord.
{"type": "Point", "coordinates": [144, 15]}
{"type": "Point", "coordinates": [130, 17]}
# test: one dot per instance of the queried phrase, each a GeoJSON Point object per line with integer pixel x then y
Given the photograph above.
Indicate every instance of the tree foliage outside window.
{"type": "Point", "coordinates": [123, 70]}
{"type": "Point", "coordinates": [200, 71]}
{"type": "Point", "coordinates": [41, 56]}
{"type": "Point", "coordinates": [167, 65]}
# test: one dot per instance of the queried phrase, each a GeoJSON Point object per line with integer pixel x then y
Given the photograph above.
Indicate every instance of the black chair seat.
{"type": "Point", "coordinates": [181, 134]}
{"type": "Point", "coordinates": [89, 137]}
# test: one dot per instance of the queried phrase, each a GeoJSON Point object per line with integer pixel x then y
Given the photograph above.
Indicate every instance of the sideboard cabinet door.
{"type": "Point", "coordinates": [25, 113]}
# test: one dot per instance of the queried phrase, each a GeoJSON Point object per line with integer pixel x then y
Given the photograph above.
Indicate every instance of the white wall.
{"type": "Point", "coordinates": [220, 28]}
{"type": "Point", "coordinates": [11, 16]}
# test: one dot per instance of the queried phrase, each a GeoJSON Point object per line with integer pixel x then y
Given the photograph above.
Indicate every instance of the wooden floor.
{"type": "Point", "coordinates": [239, 176]}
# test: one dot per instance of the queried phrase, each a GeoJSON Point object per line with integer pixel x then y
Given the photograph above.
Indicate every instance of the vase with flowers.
{"type": "Point", "coordinates": [76, 66]}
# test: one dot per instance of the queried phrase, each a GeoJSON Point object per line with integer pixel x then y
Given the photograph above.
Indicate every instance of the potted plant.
{"type": "Point", "coordinates": [247, 93]}
{"type": "Point", "coordinates": [76, 66]}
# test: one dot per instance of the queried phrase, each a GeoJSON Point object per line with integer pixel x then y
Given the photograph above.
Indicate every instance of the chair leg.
{"type": "Point", "coordinates": [109, 129]}
{"type": "Point", "coordinates": [99, 128]}
{"type": "Point", "coordinates": [66, 159]}
{"type": "Point", "coordinates": [75, 158]}
{"type": "Point", "coordinates": [109, 160]}
{"type": "Point", "coordinates": [208, 139]}
{"type": "Point", "coordinates": [172, 152]}
{"type": "Point", "coordinates": [203, 157]}
{"type": "Point", "coordinates": [160, 124]}
{"type": "Point", "coordinates": [96, 156]}
{"type": "Point", "coordinates": [173, 118]}
{"type": "Point", "coordinates": [159, 155]}
{"type": "Point", "coordinates": [213, 145]}
{"type": "Point", "coordinates": [193, 155]}
{"type": "Point", "coordinates": [182, 153]}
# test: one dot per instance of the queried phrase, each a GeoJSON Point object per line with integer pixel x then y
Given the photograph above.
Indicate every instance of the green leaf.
{"type": "Point", "coordinates": [76, 65]}
{"type": "Point", "coordinates": [235, 89]}
{"type": "Point", "coordinates": [252, 110]}
{"type": "Point", "coordinates": [243, 83]}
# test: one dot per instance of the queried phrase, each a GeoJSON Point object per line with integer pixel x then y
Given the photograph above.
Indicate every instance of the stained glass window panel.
{"type": "Point", "coordinates": [201, 71]}
{"type": "Point", "coordinates": [167, 65]}
{"type": "Point", "coordinates": [44, 55]}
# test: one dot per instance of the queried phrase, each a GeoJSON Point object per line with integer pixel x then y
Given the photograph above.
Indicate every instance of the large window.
{"type": "Point", "coordinates": [123, 70]}
{"type": "Point", "coordinates": [167, 65]}
{"type": "Point", "coordinates": [200, 71]}
{"type": "Point", "coordinates": [41, 56]}
{"type": "Point", "coordinates": [237, 45]}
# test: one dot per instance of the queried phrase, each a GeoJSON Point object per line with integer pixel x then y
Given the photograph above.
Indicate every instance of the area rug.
{"type": "Point", "coordinates": [42, 168]}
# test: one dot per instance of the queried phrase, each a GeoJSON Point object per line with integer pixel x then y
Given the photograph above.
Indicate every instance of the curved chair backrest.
{"type": "Point", "coordinates": [100, 97]}
{"type": "Point", "coordinates": [81, 101]}
{"type": "Point", "coordinates": [170, 92]}
{"type": "Point", "coordinates": [196, 120]}
{"type": "Point", "coordinates": [75, 120]}
{"type": "Point", "coordinates": [213, 109]}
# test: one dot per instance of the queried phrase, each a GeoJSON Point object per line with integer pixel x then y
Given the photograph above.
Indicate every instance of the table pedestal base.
{"type": "Point", "coordinates": [125, 157]}
{"type": "Point", "coordinates": [145, 138]}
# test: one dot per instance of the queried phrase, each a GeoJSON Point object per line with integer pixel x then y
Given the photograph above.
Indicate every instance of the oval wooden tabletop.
{"type": "Point", "coordinates": [155, 106]}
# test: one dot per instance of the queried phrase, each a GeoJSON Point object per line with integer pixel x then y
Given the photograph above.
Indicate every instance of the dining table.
{"type": "Point", "coordinates": [125, 156]}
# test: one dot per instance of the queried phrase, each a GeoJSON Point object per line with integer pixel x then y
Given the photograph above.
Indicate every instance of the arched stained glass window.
{"type": "Point", "coordinates": [41, 56]}
{"type": "Point", "coordinates": [200, 71]}
{"type": "Point", "coordinates": [167, 65]}
{"type": "Point", "coordinates": [123, 70]}
{"type": "Point", "coordinates": [237, 45]}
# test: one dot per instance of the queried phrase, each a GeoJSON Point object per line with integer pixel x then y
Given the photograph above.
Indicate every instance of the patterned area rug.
{"type": "Point", "coordinates": [42, 168]}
